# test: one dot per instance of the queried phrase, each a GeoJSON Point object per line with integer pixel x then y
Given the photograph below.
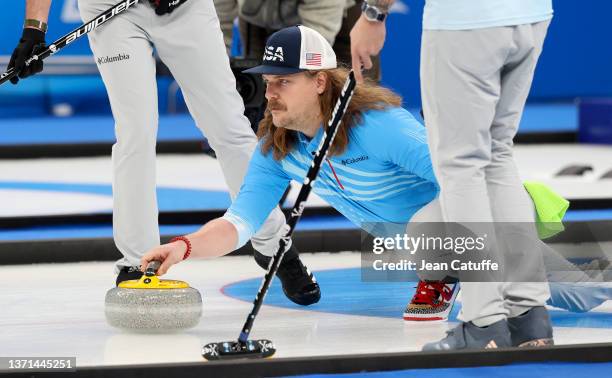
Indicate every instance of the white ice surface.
{"type": "Point", "coordinates": [58, 310]}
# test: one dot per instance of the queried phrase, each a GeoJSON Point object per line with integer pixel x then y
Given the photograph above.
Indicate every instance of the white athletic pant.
{"type": "Point", "coordinates": [474, 84]}
{"type": "Point", "coordinates": [190, 43]}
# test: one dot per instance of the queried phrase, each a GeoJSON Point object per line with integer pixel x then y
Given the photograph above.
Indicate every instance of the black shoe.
{"type": "Point", "coordinates": [128, 273]}
{"type": "Point", "coordinates": [299, 285]}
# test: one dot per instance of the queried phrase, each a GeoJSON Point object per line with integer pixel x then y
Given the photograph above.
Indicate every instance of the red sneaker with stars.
{"type": "Point", "coordinates": [432, 301]}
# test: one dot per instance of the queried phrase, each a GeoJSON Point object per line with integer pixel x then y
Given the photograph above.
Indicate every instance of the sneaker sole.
{"type": "Point", "coordinates": [425, 319]}
{"type": "Point", "coordinates": [433, 318]}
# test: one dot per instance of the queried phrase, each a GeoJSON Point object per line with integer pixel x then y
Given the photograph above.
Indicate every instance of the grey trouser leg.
{"type": "Point", "coordinates": [474, 84]}
{"type": "Point", "coordinates": [132, 91]}
{"type": "Point", "coordinates": [189, 41]}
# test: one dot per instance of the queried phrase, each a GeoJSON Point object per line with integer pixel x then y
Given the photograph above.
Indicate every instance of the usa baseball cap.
{"type": "Point", "coordinates": [295, 49]}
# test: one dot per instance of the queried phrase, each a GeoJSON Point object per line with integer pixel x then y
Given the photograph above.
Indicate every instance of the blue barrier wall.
{"type": "Point", "coordinates": [576, 60]}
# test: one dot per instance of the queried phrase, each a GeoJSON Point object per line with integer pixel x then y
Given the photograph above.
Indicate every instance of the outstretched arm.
{"type": "Point", "coordinates": [263, 185]}
{"type": "Point", "coordinates": [216, 238]}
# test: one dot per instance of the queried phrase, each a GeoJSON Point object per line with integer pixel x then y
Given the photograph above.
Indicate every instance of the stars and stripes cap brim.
{"type": "Point", "coordinates": [295, 49]}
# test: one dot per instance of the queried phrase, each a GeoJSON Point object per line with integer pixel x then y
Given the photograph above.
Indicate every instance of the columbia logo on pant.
{"type": "Point", "coordinates": [112, 59]}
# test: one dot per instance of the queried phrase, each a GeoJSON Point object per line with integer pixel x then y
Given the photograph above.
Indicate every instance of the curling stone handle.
{"type": "Point", "coordinates": [152, 268]}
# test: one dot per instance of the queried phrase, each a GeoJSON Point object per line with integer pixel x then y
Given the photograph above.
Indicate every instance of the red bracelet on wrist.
{"type": "Point", "coordinates": [186, 241]}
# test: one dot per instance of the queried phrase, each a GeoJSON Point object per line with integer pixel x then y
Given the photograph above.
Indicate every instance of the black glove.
{"type": "Point", "coordinates": [166, 6]}
{"type": "Point", "coordinates": [32, 42]}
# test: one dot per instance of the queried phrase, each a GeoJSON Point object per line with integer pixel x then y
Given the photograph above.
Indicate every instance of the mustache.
{"type": "Point", "coordinates": [275, 105]}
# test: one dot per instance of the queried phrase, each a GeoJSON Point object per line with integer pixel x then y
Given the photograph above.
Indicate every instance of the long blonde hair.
{"type": "Point", "coordinates": [367, 96]}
